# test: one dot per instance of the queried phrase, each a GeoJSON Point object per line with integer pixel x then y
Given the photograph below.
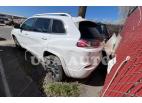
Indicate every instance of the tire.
{"type": "Point", "coordinates": [54, 70]}
{"type": "Point", "coordinates": [17, 44]}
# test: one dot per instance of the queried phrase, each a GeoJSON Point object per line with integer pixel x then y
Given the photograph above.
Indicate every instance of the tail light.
{"type": "Point", "coordinates": [83, 43]}
{"type": "Point", "coordinates": [87, 43]}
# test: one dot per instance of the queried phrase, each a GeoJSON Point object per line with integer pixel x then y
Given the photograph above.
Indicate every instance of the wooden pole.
{"type": "Point", "coordinates": [82, 11]}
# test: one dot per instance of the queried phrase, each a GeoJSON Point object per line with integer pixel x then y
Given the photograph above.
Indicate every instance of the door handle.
{"type": "Point", "coordinates": [26, 34]}
{"type": "Point", "coordinates": [43, 38]}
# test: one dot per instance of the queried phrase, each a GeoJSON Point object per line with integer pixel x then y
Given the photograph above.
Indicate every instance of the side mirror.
{"type": "Point", "coordinates": [17, 26]}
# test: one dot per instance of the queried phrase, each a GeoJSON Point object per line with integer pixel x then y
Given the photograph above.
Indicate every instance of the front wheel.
{"type": "Point", "coordinates": [54, 69]}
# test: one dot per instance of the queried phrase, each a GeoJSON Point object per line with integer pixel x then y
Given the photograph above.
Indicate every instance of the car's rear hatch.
{"type": "Point", "coordinates": [91, 35]}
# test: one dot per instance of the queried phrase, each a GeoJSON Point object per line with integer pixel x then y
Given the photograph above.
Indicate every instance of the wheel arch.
{"type": "Point", "coordinates": [46, 53]}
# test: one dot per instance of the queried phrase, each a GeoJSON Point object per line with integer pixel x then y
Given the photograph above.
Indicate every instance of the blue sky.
{"type": "Point", "coordinates": [99, 13]}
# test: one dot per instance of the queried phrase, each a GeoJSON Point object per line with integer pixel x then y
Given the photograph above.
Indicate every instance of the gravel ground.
{"type": "Point", "coordinates": [21, 76]}
{"type": "Point", "coordinates": [5, 31]}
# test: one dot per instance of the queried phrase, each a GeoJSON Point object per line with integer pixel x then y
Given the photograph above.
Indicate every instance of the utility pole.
{"type": "Point", "coordinates": [82, 11]}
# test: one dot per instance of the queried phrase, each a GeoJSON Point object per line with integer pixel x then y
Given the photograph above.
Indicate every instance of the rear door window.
{"type": "Point", "coordinates": [42, 25]}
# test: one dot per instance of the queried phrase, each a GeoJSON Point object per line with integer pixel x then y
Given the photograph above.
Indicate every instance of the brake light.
{"type": "Point", "coordinates": [85, 43]}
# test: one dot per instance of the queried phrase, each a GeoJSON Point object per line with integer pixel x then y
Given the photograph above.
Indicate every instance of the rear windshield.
{"type": "Point", "coordinates": [90, 30]}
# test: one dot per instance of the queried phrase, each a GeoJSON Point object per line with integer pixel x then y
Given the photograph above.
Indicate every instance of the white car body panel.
{"type": "Point", "coordinates": [63, 46]}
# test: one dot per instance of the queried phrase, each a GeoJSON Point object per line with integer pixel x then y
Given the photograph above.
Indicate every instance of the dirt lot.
{"type": "Point", "coordinates": [19, 77]}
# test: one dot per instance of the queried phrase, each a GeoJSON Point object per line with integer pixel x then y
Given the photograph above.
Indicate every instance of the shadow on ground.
{"type": "Point", "coordinates": [22, 77]}
{"type": "Point", "coordinates": [97, 78]}
{"type": "Point", "coordinates": [2, 39]}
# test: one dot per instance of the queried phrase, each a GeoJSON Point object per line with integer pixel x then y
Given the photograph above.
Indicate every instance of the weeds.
{"type": "Point", "coordinates": [62, 89]}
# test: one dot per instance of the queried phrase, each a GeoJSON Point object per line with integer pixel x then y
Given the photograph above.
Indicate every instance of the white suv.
{"type": "Point", "coordinates": [67, 45]}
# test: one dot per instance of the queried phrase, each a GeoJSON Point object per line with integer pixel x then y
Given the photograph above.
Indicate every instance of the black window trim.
{"type": "Point", "coordinates": [50, 28]}
{"type": "Point", "coordinates": [63, 26]}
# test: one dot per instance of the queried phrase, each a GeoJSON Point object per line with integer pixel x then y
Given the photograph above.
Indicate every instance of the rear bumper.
{"type": "Point", "coordinates": [85, 65]}
{"type": "Point", "coordinates": [83, 72]}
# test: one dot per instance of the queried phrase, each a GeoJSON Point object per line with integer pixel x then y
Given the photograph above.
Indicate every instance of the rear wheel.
{"type": "Point", "coordinates": [54, 70]}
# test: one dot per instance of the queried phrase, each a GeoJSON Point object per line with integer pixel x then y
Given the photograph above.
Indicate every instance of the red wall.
{"type": "Point", "coordinates": [128, 81]}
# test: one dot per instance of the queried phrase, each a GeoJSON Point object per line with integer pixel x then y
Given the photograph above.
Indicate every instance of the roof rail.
{"type": "Point", "coordinates": [59, 14]}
